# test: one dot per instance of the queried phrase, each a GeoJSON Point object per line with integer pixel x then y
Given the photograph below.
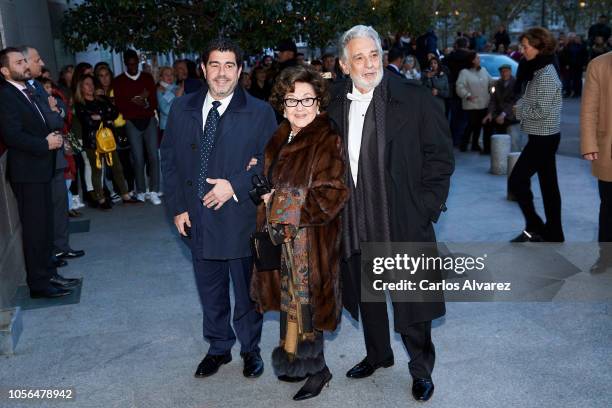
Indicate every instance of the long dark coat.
{"type": "Point", "coordinates": [418, 165]}
{"type": "Point", "coordinates": [314, 161]}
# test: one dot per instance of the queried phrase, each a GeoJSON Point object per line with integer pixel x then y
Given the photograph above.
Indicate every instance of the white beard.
{"type": "Point", "coordinates": [360, 83]}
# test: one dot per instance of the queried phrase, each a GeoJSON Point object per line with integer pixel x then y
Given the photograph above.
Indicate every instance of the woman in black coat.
{"type": "Point", "coordinates": [91, 110]}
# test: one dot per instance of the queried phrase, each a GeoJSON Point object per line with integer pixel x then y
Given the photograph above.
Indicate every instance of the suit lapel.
{"type": "Point", "coordinates": [229, 119]}
{"type": "Point", "coordinates": [24, 100]}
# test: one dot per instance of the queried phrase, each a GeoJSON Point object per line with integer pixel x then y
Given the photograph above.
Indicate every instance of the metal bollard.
{"type": "Point", "coordinates": [500, 148]}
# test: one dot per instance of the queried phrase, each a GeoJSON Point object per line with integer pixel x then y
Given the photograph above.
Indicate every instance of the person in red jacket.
{"type": "Point", "coordinates": [135, 97]}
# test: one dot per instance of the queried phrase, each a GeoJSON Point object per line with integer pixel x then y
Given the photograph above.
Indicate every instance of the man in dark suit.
{"type": "Point", "coordinates": [207, 151]}
{"type": "Point", "coordinates": [55, 112]}
{"type": "Point", "coordinates": [401, 159]}
{"type": "Point", "coordinates": [32, 146]}
{"type": "Point", "coordinates": [396, 58]}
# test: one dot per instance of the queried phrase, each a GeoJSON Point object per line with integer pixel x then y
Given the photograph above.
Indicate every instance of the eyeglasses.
{"type": "Point", "coordinates": [306, 102]}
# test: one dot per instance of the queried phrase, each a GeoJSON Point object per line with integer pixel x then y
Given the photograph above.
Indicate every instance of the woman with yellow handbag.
{"type": "Point", "coordinates": [104, 75]}
{"type": "Point", "coordinates": [96, 114]}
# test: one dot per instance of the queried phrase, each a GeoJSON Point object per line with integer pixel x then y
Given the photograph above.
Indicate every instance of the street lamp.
{"type": "Point", "coordinates": [582, 4]}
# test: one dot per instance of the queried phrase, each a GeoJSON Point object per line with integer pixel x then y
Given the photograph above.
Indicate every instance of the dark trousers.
{"type": "Point", "coordinates": [538, 156]}
{"type": "Point", "coordinates": [416, 338]}
{"type": "Point", "coordinates": [575, 80]}
{"type": "Point", "coordinates": [473, 128]}
{"type": "Point", "coordinates": [213, 280]}
{"type": "Point", "coordinates": [605, 211]}
{"type": "Point", "coordinates": [128, 171]}
{"type": "Point", "coordinates": [35, 206]}
{"type": "Point", "coordinates": [492, 128]}
{"type": "Point", "coordinates": [458, 120]}
{"type": "Point", "coordinates": [60, 212]}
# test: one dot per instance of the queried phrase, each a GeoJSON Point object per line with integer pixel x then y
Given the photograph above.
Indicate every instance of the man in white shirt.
{"type": "Point", "coordinates": [210, 140]}
{"type": "Point", "coordinates": [400, 155]}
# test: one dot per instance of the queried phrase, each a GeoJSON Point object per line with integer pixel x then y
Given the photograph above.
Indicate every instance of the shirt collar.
{"type": "Point", "coordinates": [358, 96]}
{"type": "Point", "coordinates": [133, 77]}
{"type": "Point", "coordinates": [224, 102]}
{"type": "Point", "coordinates": [17, 85]}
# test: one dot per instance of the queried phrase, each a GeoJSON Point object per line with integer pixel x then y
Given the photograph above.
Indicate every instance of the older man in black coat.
{"type": "Point", "coordinates": [400, 154]}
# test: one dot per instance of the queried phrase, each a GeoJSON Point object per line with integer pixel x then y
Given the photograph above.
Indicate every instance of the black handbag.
{"type": "Point", "coordinates": [266, 255]}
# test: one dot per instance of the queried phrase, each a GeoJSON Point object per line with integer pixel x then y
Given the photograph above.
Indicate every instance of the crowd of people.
{"type": "Point", "coordinates": [308, 139]}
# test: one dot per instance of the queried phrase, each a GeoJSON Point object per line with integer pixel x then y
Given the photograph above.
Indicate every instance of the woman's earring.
{"type": "Point", "coordinates": [284, 114]}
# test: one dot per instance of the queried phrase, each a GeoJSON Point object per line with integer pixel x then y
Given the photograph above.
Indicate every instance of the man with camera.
{"type": "Point", "coordinates": [209, 142]}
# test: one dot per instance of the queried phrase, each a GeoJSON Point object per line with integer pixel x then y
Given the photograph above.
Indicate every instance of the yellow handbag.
{"type": "Point", "coordinates": [105, 145]}
{"type": "Point", "coordinates": [119, 122]}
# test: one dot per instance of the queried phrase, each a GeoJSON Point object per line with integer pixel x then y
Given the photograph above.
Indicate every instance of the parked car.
{"type": "Point", "coordinates": [492, 62]}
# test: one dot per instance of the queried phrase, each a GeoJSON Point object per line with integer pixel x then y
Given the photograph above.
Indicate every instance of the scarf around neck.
{"type": "Point", "coordinates": [527, 69]}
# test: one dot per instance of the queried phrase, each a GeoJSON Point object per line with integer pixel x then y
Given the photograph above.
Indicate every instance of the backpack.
{"type": "Point", "coordinates": [105, 145]}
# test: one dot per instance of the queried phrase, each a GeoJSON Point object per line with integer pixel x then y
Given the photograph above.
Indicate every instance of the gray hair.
{"type": "Point", "coordinates": [25, 50]}
{"type": "Point", "coordinates": [359, 31]}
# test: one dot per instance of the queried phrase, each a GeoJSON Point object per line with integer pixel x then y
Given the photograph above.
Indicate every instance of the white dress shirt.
{"type": "Point", "coordinates": [359, 106]}
{"type": "Point", "coordinates": [208, 106]}
{"type": "Point", "coordinates": [221, 109]}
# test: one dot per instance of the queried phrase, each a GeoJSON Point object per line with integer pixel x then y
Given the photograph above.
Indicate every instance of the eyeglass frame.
{"type": "Point", "coordinates": [300, 101]}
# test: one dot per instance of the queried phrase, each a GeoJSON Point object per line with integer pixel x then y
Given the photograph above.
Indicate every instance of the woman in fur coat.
{"type": "Point", "coordinates": [305, 165]}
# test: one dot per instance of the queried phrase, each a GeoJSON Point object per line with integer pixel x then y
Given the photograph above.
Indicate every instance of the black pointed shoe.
{"type": "Point", "coordinates": [49, 293]}
{"type": "Point", "coordinates": [211, 363]}
{"type": "Point", "coordinates": [422, 389]}
{"type": "Point", "coordinates": [253, 364]}
{"type": "Point", "coordinates": [73, 253]}
{"type": "Point", "coordinates": [365, 369]}
{"type": "Point", "coordinates": [64, 283]}
{"type": "Point", "coordinates": [314, 385]}
{"type": "Point", "coordinates": [57, 262]}
{"type": "Point", "coordinates": [527, 236]}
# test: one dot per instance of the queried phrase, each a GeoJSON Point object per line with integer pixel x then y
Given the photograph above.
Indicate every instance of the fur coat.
{"type": "Point", "coordinates": [313, 162]}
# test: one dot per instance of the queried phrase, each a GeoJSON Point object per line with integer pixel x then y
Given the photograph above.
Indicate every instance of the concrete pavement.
{"type": "Point", "coordinates": [135, 339]}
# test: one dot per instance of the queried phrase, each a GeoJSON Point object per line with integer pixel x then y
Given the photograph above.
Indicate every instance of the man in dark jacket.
{"type": "Point", "coordinates": [456, 61]}
{"type": "Point", "coordinates": [32, 144]}
{"type": "Point", "coordinates": [600, 29]}
{"type": "Point", "coordinates": [208, 144]}
{"type": "Point", "coordinates": [573, 59]}
{"type": "Point", "coordinates": [501, 38]}
{"type": "Point", "coordinates": [400, 154]}
{"type": "Point", "coordinates": [500, 114]}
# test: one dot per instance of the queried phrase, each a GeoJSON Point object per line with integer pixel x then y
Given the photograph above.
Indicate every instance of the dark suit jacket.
{"type": "Point", "coordinates": [243, 132]}
{"type": "Point", "coordinates": [24, 132]}
{"type": "Point", "coordinates": [503, 99]}
{"type": "Point", "coordinates": [419, 162]}
{"type": "Point", "coordinates": [393, 70]}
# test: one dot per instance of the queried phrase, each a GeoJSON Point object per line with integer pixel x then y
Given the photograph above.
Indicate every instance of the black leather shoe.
{"type": "Point", "coordinates": [64, 283]}
{"type": "Point", "coordinates": [211, 363]}
{"type": "Point", "coordinates": [314, 385]}
{"type": "Point", "coordinates": [70, 254]}
{"type": "Point", "coordinates": [422, 389]}
{"type": "Point", "coordinates": [58, 263]}
{"type": "Point", "coordinates": [527, 236]}
{"type": "Point", "coordinates": [366, 369]}
{"type": "Point", "coordinates": [286, 378]}
{"type": "Point", "coordinates": [51, 292]}
{"type": "Point", "coordinates": [253, 364]}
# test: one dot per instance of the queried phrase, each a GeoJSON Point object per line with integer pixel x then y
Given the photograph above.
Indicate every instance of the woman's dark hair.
{"type": "Point", "coordinates": [286, 84]}
{"type": "Point", "coordinates": [470, 58]}
{"type": "Point", "coordinates": [103, 67]}
{"type": "Point", "coordinates": [78, 73]}
{"type": "Point", "coordinates": [439, 69]}
{"type": "Point", "coordinates": [62, 74]}
{"type": "Point", "coordinates": [222, 44]}
{"type": "Point", "coordinates": [540, 39]}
